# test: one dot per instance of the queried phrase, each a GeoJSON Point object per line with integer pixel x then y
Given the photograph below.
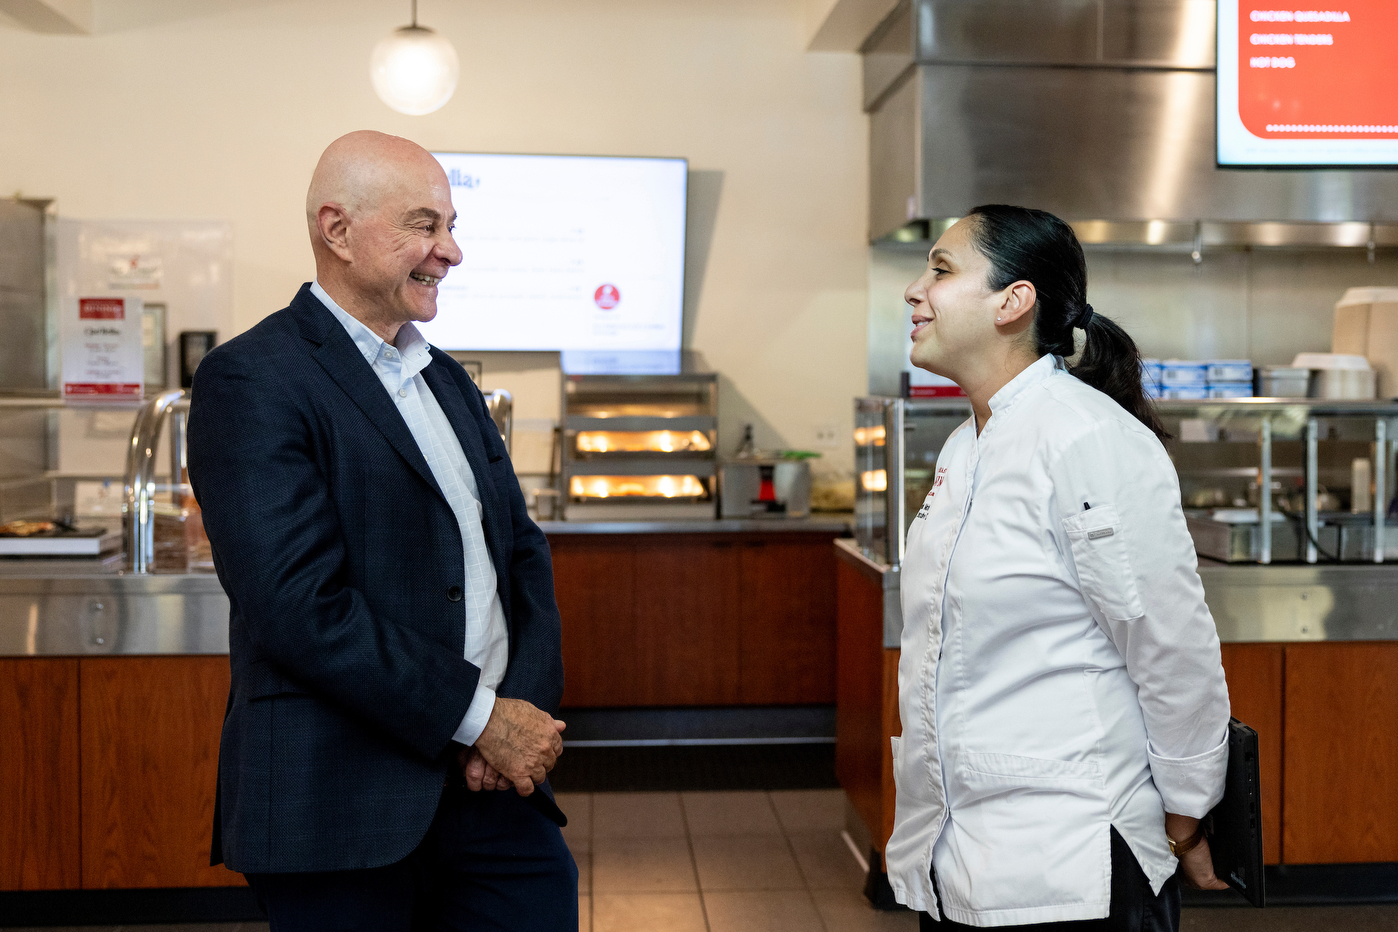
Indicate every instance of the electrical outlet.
{"type": "Point", "coordinates": [827, 436]}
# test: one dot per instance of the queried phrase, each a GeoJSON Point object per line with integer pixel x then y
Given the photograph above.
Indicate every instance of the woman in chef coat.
{"type": "Point", "coordinates": [1063, 704]}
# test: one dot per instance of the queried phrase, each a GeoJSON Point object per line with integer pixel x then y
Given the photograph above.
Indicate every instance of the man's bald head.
{"type": "Point", "coordinates": [380, 216]}
{"type": "Point", "coordinates": [357, 170]}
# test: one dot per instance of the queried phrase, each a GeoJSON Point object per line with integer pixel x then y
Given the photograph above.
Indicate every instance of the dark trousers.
{"type": "Point", "coordinates": [1134, 907]}
{"type": "Point", "coordinates": [490, 861]}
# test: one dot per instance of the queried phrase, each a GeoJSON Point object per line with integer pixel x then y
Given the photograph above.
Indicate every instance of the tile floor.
{"type": "Point", "coordinates": [765, 862]}
{"type": "Point", "coordinates": [718, 862]}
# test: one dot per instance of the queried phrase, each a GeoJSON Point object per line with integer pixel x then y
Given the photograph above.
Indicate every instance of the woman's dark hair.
{"type": "Point", "coordinates": [1037, 247]}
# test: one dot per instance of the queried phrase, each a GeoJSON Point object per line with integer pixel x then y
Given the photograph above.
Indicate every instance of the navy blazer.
{"type": "Point", "coordinates": [343, 565]}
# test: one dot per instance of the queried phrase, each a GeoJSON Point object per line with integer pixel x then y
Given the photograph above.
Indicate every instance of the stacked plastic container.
{"type": "Point", "coordinates": [1184, 380]}
{"type": "Point", "coordinates": [1191, 380]}
{"type": "Point", "coordinates": [1230, 378]}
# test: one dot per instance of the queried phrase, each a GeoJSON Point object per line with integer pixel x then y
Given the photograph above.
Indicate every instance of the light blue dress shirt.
{"type": "Point", "coordinates": [399, 367]}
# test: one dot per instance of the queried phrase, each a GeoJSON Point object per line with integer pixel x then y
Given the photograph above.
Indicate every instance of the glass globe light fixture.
{"type": "Point", "coordinates": [413, 69]}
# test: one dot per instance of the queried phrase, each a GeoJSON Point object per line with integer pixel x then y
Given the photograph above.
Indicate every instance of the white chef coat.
{"type": "Point", "coordinates": [1060, 671]}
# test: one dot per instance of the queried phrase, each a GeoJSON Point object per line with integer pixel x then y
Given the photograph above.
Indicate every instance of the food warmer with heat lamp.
{"type": "Point", "coordinates": [639, 447]}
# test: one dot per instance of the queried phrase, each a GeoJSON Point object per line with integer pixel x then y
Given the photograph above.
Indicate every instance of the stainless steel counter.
{"type": "Point", "coordinates": [67, 614]}
{"type": "Point", "coordinates": [1280, 602]}
{"type": "Point", "coordinates": [75, 608]}
{"type": "Point", "coordinates": [1289, 602]}
{"type": "Point", "coordinates": [87, 607]}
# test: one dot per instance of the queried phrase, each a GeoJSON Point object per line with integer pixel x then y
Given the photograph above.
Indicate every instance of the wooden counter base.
{"type": "Point", "coordinates": [107, 772]}
{"type": "Point", "coordinates": [696, 619]}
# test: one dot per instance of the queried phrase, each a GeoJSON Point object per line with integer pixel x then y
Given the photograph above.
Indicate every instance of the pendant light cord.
{"type": "Point", "coordinates": [414, 14]}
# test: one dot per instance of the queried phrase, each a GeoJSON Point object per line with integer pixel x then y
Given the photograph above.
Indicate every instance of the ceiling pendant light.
{"type": "Point", "coordinates": [414, 70]}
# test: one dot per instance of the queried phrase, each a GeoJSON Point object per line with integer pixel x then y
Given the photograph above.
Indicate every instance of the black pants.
{"type": "Point", "coordinates": [488, 862]}
{"type": "Point", "coordinates": [1134, 907]}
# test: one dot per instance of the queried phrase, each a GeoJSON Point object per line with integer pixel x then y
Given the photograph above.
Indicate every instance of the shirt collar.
{"type": "Point", "coordinates": [414, 349]}
{"type": "Point", "coordinates": [1037, 371]}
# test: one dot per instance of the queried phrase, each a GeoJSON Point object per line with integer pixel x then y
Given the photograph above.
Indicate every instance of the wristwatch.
{"type": "Point", "coordinates": [1180, 848]}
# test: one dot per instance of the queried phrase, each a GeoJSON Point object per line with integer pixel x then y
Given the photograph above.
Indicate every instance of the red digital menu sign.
{"type": "Point", "coordinates": [1318, 73]}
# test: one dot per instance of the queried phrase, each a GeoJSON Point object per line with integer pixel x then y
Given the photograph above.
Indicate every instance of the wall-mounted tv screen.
{"type": "Point", "coordinates": [1309, 87]}
{"type": "Point", "coordinates": [572, 253]}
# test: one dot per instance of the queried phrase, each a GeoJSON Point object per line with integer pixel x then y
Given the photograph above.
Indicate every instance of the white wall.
{"type": "Point", "coordinates": [196, 109]}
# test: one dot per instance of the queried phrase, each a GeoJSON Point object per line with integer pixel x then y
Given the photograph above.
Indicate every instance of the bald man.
{"type": "Point", "coordinates": [393, 635]}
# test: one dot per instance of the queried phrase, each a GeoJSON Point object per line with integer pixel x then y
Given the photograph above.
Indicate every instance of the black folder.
{"type": "Point", "coordinates": [1235, 824]}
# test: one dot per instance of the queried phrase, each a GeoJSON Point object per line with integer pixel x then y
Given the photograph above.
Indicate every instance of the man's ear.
{"type": "Point", "coordinates": [1017, 300]}
{"type": "Point", "coordinates": [332, 223]}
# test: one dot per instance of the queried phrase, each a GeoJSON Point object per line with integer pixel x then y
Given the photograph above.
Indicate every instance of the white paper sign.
{"type": "Point", "coordinates": [103, 356]}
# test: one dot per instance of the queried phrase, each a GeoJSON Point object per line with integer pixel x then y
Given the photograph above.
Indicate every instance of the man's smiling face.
{"type": "Point", "coordinates": [402, 246]}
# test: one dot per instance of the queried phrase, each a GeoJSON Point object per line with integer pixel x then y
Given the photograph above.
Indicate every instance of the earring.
{"type": "Point", "coordinates": [997, 318]}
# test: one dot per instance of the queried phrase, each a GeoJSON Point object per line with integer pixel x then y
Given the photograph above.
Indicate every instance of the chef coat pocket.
{"type": "Point", "coordinates": [1035, 835]}
{"type": "Point", "coordinates": [1104, 568]}
{"type": "Point", "coordinates": [1016, 770]}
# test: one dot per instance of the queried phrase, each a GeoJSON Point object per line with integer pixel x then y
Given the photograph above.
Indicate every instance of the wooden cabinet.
{"type": "Point", "coordinates": [687, 631]}
{"type": "Point", "coordinates": [594, 584]}
{"type": "Point", "coordinates": [787, 599]}
{"type": "Point", "coordinates": [696, 619]}
{"type": "Point", "coordinates": [863, 723]}
{"type": "Point", "coordinates": [107, 772]}
{"type": "Point", "coordinates": [1254, 673]}
{"type": "Point", "coordinates": [40, 846]}
{"type": "Point", "coordinates": [1341, 756]}
{"type": "Point", "coordinates": [150, 733]}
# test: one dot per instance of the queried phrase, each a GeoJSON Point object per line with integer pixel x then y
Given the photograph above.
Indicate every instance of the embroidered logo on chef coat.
{"type": "Point", "coordinates": [927, 504]}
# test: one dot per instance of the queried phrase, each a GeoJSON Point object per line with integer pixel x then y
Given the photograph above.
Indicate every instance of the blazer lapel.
{"type": "Point", "coordinates": [343, 362]}
{"type": "Point", "coordinates": [453, 402]}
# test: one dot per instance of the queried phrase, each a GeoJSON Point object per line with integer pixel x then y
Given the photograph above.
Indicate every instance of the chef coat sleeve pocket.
{"type": "Point", "coordinates": [1104, 568]}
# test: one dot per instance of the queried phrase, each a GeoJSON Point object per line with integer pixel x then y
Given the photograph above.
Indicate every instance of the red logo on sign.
{"type": "Point", "coordinates": [116, 389]}
{"type": "Point", "coordinates": [607, 297]}
{"type": "Point", "coordinates": [101, 309]}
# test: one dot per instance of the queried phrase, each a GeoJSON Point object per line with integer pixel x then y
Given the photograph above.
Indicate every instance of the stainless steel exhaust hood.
{"type": "Point", "coordinates": [1101, 111]}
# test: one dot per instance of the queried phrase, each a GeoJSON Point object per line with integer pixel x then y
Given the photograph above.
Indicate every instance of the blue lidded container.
{"type": "Point", "coordinates": [1185, 393]}
{"type": "Point", "coordinates": [1229, 370]}
{"type": "Point", "coordinates": [1183, 373]}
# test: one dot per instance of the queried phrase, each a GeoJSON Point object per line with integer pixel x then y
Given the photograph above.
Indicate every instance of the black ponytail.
{"type": "Point", "coordinates": [1035, 246]}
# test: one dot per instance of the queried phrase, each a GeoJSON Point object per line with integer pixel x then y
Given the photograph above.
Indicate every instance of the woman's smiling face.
{"type": "Point", "coordinates": [952, 304]}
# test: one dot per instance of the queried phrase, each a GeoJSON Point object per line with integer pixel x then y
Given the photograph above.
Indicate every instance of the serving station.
{"type": "Point", "coordinates": [114, 669]}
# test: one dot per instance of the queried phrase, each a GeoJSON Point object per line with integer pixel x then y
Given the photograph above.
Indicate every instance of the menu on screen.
{"type": "Point", "coordinates": [572, 253]}
{"type": "Point", "coordinates": [1308, 86]}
